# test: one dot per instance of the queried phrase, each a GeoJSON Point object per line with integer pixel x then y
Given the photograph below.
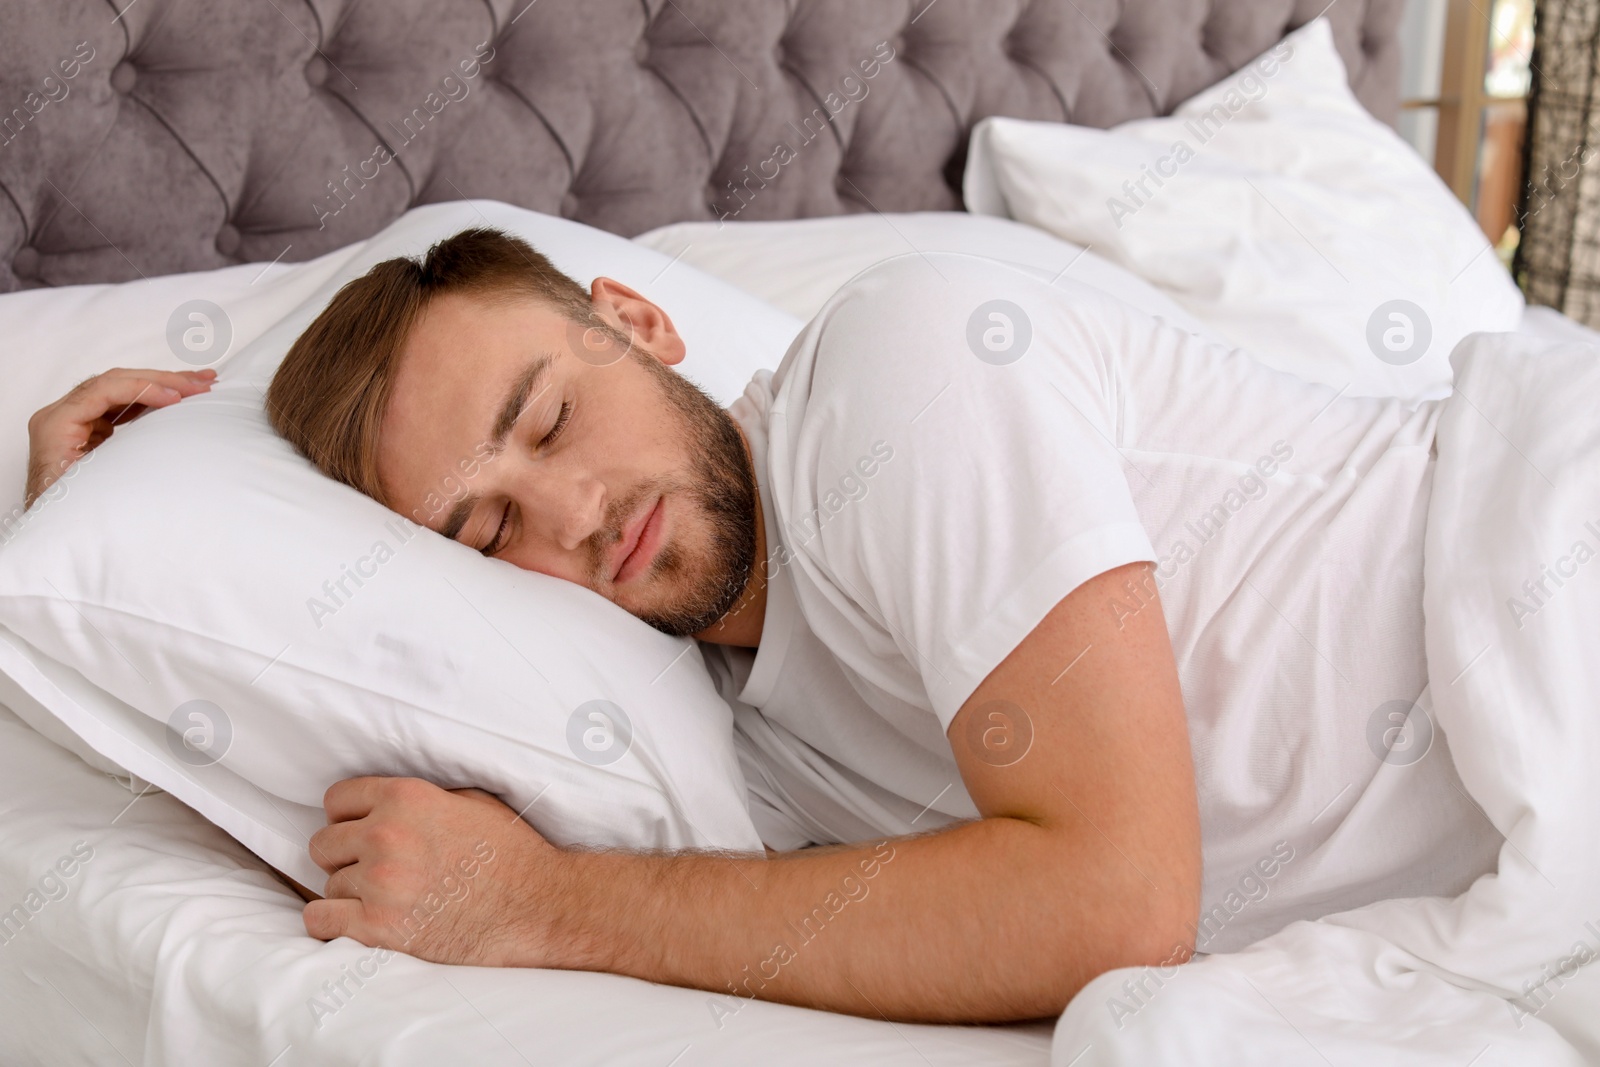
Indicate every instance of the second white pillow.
{"type": "Point", "coordinates": [1277, 211]}
{"type": "Point", "coordinates": [796, 264]}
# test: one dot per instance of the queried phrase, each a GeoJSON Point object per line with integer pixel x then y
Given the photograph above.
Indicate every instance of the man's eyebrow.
{"type": "Point", "coordinates": [459, 515]}
{"type": "Point", "coordinates": [518, 397]}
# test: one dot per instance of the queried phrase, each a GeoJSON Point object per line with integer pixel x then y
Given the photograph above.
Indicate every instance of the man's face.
{"type": "Point", "coordinates": [572, 453]}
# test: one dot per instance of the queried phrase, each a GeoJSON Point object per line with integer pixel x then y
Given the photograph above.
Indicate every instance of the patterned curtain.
{"type": "Point", "coordinates": [1557, 261]}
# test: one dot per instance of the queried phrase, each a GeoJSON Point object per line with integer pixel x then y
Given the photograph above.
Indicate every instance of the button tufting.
{"type": "Point", "coordinates": [569, 206]}
{"type": "Point", "coordinates": [123, 77]}
{"type": "Point", "coordinates": [25, 264]}
{"type": "Point", "coordinates": [228, 239]}
{"type": "Point", "coordinates": [641, 52]}
{"type": "Point", "coordinates": [316, 71]}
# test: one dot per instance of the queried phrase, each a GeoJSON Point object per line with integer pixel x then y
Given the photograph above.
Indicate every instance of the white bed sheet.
{"type": "Point", "coordinates": [173, 945]}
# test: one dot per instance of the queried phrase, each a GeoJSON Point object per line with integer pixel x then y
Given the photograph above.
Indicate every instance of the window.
{"type": "Point", "coordinates": [1466, 69]}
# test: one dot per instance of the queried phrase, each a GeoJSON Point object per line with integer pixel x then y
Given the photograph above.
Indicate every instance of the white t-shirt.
{"type": "Point", "coordinates": [952, 446]}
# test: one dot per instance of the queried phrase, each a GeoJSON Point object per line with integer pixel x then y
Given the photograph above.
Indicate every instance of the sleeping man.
{"type": "Point", "coordinates": [1059, 639]}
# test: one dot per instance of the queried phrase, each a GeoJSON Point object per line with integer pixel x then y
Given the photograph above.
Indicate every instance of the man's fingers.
{"type": "Point", "coordinates": [119, 416]}
{"type": "Point", "coordinates": [111, 397]}
{"type": "Point", "coordinates": [182, 380]}
{"type": "Point", "coordinates": [111, 394]}
{"type": "Point", "coordinates": [347, 883]}
{"type": "Point", "coordinates": [354, 798]}
{"type": "Point", "coordinates": [334, 845]}
{"type": "Point", "coordinates": [330, 917]}
{"type": "Point", "coordinates": [478, 794]}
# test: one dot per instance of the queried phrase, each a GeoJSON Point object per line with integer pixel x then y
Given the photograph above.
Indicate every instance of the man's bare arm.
{"type": "Point", "coordinates": [1087, 858]}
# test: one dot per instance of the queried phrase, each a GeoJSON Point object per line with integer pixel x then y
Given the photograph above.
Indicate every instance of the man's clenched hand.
{"type": "Point", "coordinates": [447, 876]}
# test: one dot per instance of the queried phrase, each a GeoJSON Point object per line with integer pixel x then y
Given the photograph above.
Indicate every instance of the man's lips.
{"type": "Point", "coordinates": [641, 539]}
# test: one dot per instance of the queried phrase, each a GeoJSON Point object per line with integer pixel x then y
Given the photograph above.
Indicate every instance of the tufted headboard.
{"type": "Point", "coordinates": [144, 137]}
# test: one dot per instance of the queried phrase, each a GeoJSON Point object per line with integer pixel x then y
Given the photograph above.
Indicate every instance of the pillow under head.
{"type": "Point", "coordinates": [202, 607]}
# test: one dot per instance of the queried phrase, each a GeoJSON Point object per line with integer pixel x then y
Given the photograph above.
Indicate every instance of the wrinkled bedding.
{"type": "Point", "coordinates": [169, 944]}
{"type": "Point", "coordinates": [1501, 974]}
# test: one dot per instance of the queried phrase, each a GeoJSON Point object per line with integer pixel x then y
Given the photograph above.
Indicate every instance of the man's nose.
{"type": "Point", "coordinates": [576, 510]}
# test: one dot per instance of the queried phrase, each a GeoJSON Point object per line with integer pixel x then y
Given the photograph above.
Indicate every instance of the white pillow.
{"type": "Point", "coordinates": [57, 337]}
{"type": "Point", "coordinates": [194, 575]}
{"type": "Point", "coordinates": [797, 264]}
{"type": "Point", "coordinates": [1289, 220]}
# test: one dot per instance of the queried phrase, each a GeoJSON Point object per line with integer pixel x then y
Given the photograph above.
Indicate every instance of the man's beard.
{"type": "Point", "coordinates": [722, 483]}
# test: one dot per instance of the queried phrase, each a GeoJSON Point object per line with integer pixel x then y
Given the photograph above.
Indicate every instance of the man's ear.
{"type": "Point", "coordinates": [637, 318]}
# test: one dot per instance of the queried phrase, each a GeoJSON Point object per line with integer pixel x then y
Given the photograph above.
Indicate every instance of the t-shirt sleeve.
{"type": "Point", "coordinates": [946, 466]}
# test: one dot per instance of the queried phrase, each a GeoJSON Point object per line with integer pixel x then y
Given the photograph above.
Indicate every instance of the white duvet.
{"type": "Point", "coordinates": [1501, 974]}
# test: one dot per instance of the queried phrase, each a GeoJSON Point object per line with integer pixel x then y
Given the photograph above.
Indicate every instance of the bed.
{"type": "Point", "coordinates": [239, 136]}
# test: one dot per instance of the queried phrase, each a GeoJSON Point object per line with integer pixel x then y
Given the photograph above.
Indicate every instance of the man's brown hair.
{"type": "Point", "coordinates": [329, 394]}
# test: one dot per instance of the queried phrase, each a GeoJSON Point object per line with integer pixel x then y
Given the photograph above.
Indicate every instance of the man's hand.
{"type": "Point", "coordinates": [62, 433]}
{"type": "Point", "coordinates": [447, 876]}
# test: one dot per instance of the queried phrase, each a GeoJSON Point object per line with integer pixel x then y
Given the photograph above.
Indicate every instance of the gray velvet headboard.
{"type": "Point", "coordinates": [185, 135]}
